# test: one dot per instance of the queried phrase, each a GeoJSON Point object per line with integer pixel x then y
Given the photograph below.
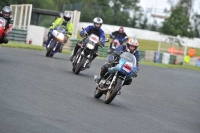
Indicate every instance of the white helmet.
{"type": "Point", "coordinates": [67, 16]}
{"type": "Point", "coordinates": [97, 20]}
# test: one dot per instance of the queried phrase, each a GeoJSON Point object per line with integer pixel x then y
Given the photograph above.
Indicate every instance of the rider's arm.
{"type": "Point", "coordinates": [82, 33]}
{"type": "Point", "coordinates": [117, 51]}
{"type": "Point", "coordinates": [119, 48]}
{"type": "Point", "coordinates": [9, 23]}
{"type": "Point", "coordinates": [9, 26]}
{"type": "Point", "coordinates": [137, 56]}
{"type": "Point", "coordinates": [57, 22]}
{"type": "Point", "coordinates": [102, 37]}
{"type": "Point", "coordinates": [115, 33]}
{"type": "Point", "coordinates": [69, 29]}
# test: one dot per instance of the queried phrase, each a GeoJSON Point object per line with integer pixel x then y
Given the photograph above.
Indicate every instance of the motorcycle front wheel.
{"type": "Point", "coordinates": [97, 93]}
{"type": "Point", "coordinates": [80, 65]}
{"type": "Point", "coordinates": [50, 49]}
{"type": "Point", "coordinates": [110, 95]}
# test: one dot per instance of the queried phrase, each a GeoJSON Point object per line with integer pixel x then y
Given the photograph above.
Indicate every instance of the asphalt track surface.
{"type": "Point", "coordinates": [42, 95]}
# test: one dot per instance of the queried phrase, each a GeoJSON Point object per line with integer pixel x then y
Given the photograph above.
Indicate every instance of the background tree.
{"type": "Point", "coordinates": [45, 4]}
{"type": "Point", "coordinates": [143, 23]}
{"type": "Point", "coordinates": [122, 12]}
{"type": "Point", "coordinates": [187, 4]}
{"type": "Point", "coordinates": [154, 26]}
{"type": "Point", "coordinates": [129, 12]}
{"type": "Point", "coordinates": [177, 24]}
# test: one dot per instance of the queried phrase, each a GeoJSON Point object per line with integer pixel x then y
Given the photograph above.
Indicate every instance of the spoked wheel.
{"type": "Point", "coordinates": [97, 93]}
{"type": "Point", "coordinates": [111, 94]}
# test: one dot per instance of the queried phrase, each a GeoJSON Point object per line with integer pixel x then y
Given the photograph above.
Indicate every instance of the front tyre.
{"type": "Point", "coordinates": [73, 69]}
{"type": "Point", "coordinates": [80, 65]}
{"type": "Point", "coordinates": [110, 95]}
{"type": "Point", "coordinates": [97, 93]}
{"type": "Point", "coordinates": [50, 49]}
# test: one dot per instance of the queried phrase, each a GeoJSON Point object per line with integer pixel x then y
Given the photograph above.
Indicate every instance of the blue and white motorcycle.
{"type": "Point", "coordinates": [57, 41]}
{"type": "Point", "coordinates": [110, 84]}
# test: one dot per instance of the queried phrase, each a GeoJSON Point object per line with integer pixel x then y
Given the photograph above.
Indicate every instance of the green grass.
{"type": "Point", "coordinates": [147, 45]}
{"type": "Point", "coordinates": [27, 46]}
{"type": "Point", "coordinates": [170, 65]}
{"type": "Point", "coordinates": [22, 45]}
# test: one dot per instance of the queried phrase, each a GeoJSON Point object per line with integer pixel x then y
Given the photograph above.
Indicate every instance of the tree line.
{"type": "Point", "coordinates": [124, 13]}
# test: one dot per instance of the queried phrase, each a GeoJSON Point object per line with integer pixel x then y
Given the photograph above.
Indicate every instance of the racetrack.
{"type": "Point", "coordinates": [42, 95]}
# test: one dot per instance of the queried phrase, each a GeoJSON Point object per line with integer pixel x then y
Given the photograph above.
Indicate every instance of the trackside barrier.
{"type": "Point", "coordinates": [172, 59]}
{"type": "Point", "coordinates": [149, 56]}
{"type": "Point", "coordinates": [142, 55]}
{"type": "Point", "coordinates": [198, 62]}
{"type": "Point", "coordinates": [193, 61]}
{"type": "Point", "coordinates": [18, 35]}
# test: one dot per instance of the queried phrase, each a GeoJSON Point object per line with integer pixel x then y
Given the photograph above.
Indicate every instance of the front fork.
{"type": "Point", "coordinates": [114, 80]}
{"type": "Point", "coordinates": [48, 45]}
{"type": "Point", "coordinates": [82, 54]}
{"type": "Point", "coordinates": [55, 46]}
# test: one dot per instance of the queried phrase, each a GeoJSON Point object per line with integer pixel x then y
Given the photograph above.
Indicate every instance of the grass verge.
{"type": "Point", "coordinates": [22, 45]}
{"type": "Point", "coordinates": [170, 65]}
{"type": "Point", "coordinates": [27, 46]}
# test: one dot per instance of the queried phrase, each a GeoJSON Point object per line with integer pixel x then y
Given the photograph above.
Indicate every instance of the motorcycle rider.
{"type": "Point", "coordinates": [91, 29]}
{"type": "Point", "coordinates": [131, 46]}
{"type": "Point", "coordinates": [120, 35]}
{"type": "Point", "coordinates": [6, 14]}
{"type": "Point", "coordinates": [62, 21]}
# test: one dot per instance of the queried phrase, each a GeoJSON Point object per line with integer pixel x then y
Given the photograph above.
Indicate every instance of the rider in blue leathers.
{"type": "Point", "coordinates": [92, 29]}
{"type": "Point", "coordinates": [131, 46]}
{"type": "Point", "coordinates": [120, 35]}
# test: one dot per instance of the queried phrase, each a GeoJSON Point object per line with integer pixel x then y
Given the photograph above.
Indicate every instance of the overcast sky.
{"type": "Point", "coordinates": [162, 4]}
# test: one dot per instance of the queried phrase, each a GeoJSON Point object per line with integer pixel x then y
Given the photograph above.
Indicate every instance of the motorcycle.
{"type": "Point", "coordinates": [115, 43]}
{"type": "Point", "coordinates": [2, 26]}
{"type": "Point", "coordinates": [110, 84]}
{"type": "Point", "coordinates": [3, 32]}
{"type": "Point", "coordinates": [57, 41]}
{"type": "Point", "coordinates": [86, 52]}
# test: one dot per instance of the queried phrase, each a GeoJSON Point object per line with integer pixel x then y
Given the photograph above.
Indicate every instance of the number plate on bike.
{"type": "Point", "coordinates": [94, 38]}
{"type": "Point", "coordinates": [128, 67]}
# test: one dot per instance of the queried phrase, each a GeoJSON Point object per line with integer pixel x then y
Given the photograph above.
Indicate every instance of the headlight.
{"type": "Point", "coordinates": [90, 46]}
{"type": "Point", "coordinates": [60, 36]}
